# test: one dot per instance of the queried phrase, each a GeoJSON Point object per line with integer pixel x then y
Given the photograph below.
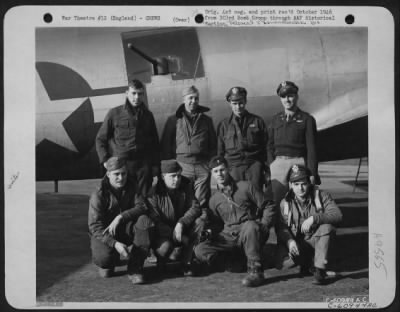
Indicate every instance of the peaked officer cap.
{"type": "Point", "coordinates": [287, 87]}
{"type": "Point", "coordinates": [297, 173]}
{"type": "Point", "coordinates": [236, 93]}
{"type": "Point", "coordinates": [217, 161]}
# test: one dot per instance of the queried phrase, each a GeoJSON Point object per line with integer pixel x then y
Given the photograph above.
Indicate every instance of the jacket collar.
{"type": "Point", "coordinates": [298, 113]}
{"type": "Point", "coordinates": [230, 188]}
{"type": "Point", "coordinates": [129, 107]}
{"type": "Point", "coordinates": [233, 116]}
{"type": "Point", "coordinates": [200, 110]}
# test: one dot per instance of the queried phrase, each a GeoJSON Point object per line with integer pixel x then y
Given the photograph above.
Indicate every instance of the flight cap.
{"type": "Point", "coordinates": [236, 93]}
{"type": "Point", "coordinates": [170, 166]}
{"type": "Point", "coordinates": [287, 87]}
{"type": "Point", "coordinates": [115, 163]}
{"type": "Point", "coordinates": [189, 90]}
{"type": "Point", "coordinates": [217, 161]}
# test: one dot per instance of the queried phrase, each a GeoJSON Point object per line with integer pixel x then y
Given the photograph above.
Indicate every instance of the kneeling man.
{"type": "Point", "coordinates": [176, 215]}
{"type": "Point", "coordinates": [117, 224]}
{"type": "Point", "coordinates": [307, 220]}
{"type": "Point", "coordinates": [241, 217]}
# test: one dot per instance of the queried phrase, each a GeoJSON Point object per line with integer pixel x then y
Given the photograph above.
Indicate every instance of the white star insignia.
{"type": "Point", "coordinates": [51, 114]}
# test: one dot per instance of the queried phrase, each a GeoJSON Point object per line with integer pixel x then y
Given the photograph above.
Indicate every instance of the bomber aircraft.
{"type": "Point", "coordinates": [83, 72]}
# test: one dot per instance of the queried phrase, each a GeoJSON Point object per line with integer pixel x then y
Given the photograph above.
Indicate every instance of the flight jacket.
{"type": "Point", "coordinates": [186, 143]}
{"type": "Point", "coordinates": [129, 132]}
{"type": "Point", "coordinates": [104, 206]}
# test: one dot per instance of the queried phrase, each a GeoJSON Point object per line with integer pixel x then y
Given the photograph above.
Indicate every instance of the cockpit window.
{"type": "Point", "coordinates": [180, 48]}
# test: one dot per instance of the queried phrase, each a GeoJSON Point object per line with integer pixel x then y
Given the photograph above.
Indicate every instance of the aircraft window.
{"type": "Point", "coordinates": [180, 47]}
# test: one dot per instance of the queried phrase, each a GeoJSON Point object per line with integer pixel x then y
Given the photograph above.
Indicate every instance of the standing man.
{"type": "Point", "coordinates": [242, 141]}
{"type": "Point", "coordinates": [308, 217]}
{"type": "Point", "coordinates": [189, 137]}
{"type": "Point", "coordinates": [245, 216]}
{"type": "Point", "coordinates": [291, 140]}
{"type": "Point", "coordinates": [117, 224]}
{"type": "Point", "coordinates": [130, 131]}
{"type": "Point", "coordinates": [175, 213]}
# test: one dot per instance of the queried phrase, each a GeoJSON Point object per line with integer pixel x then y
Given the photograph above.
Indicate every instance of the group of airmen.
{"type": "Point", "coordinates": [157, 197]}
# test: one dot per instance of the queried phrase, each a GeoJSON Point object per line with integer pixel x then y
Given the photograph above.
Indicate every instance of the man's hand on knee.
{"type": "Point", "coordinates": [112, 228]}
{"type": "Point", "coordinates": [122, 249]}
{"type": "Point", "coordinates": [178, 232]}
{"type": "Point", "coordinates": [293, 249]}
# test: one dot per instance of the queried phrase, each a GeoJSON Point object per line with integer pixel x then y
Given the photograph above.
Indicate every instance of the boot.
{"type": "Point", "coordinates": [151, 257]}
{"type": "Point", "coordinates": [319, 276]}
{"type": "Point", "coordinates": [306, 270]}
{"type": "Point", "coordinates": [136, 277]}
{"type": "Point", "coordinates": [135, 265]}
{"type": "Point", "coordinates": [192, 268]}
{"type": "Point", "coordinates": [255, 275]}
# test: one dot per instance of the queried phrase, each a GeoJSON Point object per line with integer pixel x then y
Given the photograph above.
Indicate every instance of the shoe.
{"type": "Point", "coordinates": [151, 258]}
{"type": "Point", "coordinates": [176, 254]}
{"type": "Point", "coordinates": [255, 276]}
{"type": "Point", "coordinates": [135, 266]}
{"type": "Point", "coordinates": [331, 274]}
{"type": "Point", "coordinates": [253, 279]}
{"type": "Point", "coordinates": [136, 278]}
{"type": "Point", "coordinates": [306, 271]}
{"type": "Point", "coordinates": [188, 271]}
{"type": "Point", "coordinates": [192, 269]}
{"type": "Point", "coordinates": [106, 273]}
{"type": "Point", "coordinates": [319, 276]}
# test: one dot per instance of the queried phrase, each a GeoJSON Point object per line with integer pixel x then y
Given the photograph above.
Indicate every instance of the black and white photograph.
{"type": "Point", "coordinates": [226, 158]}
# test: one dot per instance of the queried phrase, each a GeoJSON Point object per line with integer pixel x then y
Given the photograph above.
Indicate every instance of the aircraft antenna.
{"type": "Point", "coordinates": [197, 66]}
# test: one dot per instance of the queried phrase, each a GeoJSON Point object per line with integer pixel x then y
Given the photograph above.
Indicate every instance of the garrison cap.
{"type": "Point", "coordinates": [236, 93]}
{"type": "Point", "coordinates": [287, 87]}
{"type": "Point", "coordinates": [217, 161]}
{"type": "Point", "coordinates": [189, 90]}
{"type": "Point", "coordinates": [170, 166]}
{"type": "Point", "coordinates": [297, 173]}
{"type": "Point", "coordinates": [115, 163]}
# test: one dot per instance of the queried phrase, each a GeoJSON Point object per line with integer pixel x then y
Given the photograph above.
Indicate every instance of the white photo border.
{"type": "Point", "coordinates": [19, 142]}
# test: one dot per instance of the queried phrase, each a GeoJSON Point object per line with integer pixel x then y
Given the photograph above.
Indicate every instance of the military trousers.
{"type": "Point", "coordinates": [250, 238]}
{"type": "Point", "coordinates": [253, 172]}
{"type": "Point", "coordinates": [164, 241]}
{"type": "Point", "coordinates": [141, 172]}
{"type": "Point", "coordinates": [200, 175]}
{"type": "Point", "coordinates": [132, 234]}
{"type": "Point", "coordinates": [313, 250]}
